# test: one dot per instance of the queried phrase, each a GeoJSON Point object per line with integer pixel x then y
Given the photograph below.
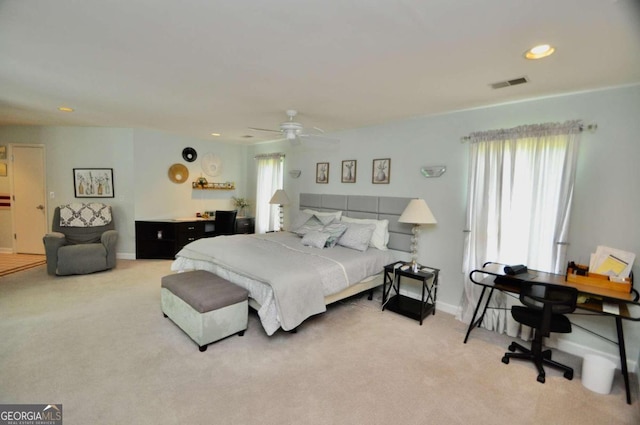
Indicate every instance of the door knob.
{"type": "Point", "coordinates": [40, 207]}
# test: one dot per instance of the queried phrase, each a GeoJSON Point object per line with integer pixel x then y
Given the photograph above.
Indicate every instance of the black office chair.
{"type": "Point", "coordinates": [225, 223]}
{"type": "Point", "coordinates": [544, 308]}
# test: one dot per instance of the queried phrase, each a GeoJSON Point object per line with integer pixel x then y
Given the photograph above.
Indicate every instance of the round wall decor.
{"type": "Point", "coordinates": [178, 173]}
{"type": "Point", "coordinates": [189, 154]}
{"type": "Point", "coordinates": [212, 164]}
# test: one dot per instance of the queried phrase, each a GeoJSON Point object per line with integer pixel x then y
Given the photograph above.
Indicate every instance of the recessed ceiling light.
{"type": "Point", "coordinates": [216, 134]}
{"type": "Point", "coordinates": [65, 109]}
{"type": "Point", "coordinates": [540, 51]}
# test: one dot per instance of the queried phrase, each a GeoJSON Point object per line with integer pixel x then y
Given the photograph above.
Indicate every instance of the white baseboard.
{"type": "Point", "coordinates": [125, 256]}
{"type": "Point", "coordinates": [6, 250]}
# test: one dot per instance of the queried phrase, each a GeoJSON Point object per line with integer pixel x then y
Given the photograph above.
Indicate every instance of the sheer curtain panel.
{"type": "Point", "coordinates": [270, 178]}
{"type": "Point", "coordinates": [518, 207]}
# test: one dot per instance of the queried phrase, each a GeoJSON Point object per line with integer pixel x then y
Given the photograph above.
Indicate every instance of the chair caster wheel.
{"type": "Point", "coordinates": [512, 347]}
{"type": "Point", "coordinates": [541, 379]}
{"type": "Point", "coordinates": [505, 360]}
{"type": "Point", "coordinates": [568, 375]}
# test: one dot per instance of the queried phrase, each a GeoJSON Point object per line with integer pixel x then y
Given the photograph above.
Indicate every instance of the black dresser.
{"type": "Point", "coordinates": [162, 239]}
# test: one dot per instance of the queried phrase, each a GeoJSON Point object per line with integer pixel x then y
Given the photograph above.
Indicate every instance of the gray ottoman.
{"type": "Point", "coordinates": [205, 306]}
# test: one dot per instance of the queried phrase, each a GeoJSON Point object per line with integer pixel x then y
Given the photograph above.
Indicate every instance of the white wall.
{"type": "Point", "coordinates": [157, 197]}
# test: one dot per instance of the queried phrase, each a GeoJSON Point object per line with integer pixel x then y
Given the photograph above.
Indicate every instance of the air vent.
{"type": "Point", "coordinates": [509, 83]}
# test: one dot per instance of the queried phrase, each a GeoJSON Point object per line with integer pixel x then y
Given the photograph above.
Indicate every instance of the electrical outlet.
{"type": "Point", "coordinates": [52, 195]}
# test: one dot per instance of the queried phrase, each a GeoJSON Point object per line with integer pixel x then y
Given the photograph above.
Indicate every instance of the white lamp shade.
{"type": "Point", "coordinates": [417, 212]}
{"type": "Point", "coordinates": [279, 198]}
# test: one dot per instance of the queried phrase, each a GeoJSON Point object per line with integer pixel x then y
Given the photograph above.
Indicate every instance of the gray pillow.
{"type": "Point", "coordinates": [300, 219]}
{"type": "Point", "coordinates": [315, 239]}
{"type": "Point", "coordinates": [357, 236]}
{"type": "Point", "coordinates": [335, 230]}
{"type": "Point", "coordinates": [312, 224]}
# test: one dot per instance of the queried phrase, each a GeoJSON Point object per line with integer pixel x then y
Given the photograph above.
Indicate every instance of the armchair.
{"type": "Point", "coordinates": [83, 240]}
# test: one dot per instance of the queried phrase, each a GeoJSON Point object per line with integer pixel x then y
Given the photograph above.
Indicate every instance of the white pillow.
{"type": "Point", "coordinates": [335, 214]}
{"type": "Point", "coordinates": [380, 237]}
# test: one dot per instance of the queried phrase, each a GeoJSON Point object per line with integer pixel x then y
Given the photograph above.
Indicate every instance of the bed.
{"type": "Point", "coordinates": [289, 282]}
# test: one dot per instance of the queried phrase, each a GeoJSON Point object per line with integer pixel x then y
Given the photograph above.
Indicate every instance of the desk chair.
{"type": "Point", "coordinates": [225, 223]}
{"type": "Point", "coordinates": [544, 309]}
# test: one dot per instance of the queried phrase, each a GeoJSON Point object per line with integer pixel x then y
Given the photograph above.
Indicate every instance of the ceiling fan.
{"type": "Point", "coordinates": [294, 131]}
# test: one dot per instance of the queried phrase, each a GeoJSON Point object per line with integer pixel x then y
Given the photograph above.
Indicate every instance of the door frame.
{"type": "Point", "coordinates": [12, 188]}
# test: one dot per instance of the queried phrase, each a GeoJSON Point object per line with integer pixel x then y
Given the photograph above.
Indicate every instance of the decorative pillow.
{"type": "Point", "coordinates": [357, 236]}
{"type": "Point", "coordinates": [336, 214]}
{"type": "Point", "coordinates": [315, 239]}
{"type": "Point", "coordinates": [312, 224]}
{"type": "Point", "coordinates": [335, 230]}
{"type": "Point", "coordinates": [380, 237]}
{"type": "Point", "coordinates": [300, 219]}
{"type": "Point", "coordinates": [93, 214]}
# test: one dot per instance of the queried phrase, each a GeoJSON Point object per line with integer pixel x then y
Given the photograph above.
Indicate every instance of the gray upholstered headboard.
{"type": "Point", "coordinates": [375, 207]}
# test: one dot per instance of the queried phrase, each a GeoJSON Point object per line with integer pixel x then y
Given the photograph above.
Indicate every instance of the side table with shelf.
{"type": "Point", "coordinates": [416, 309]}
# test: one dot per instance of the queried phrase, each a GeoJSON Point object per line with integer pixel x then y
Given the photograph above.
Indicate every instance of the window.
{"type": "Point", "coordinates": [270, 178]}
{"type": "Point", "coordinates": [518, 203]}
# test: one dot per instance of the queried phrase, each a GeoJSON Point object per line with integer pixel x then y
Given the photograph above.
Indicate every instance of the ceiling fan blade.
{"type": "Point", "coordinates": [264, 129]}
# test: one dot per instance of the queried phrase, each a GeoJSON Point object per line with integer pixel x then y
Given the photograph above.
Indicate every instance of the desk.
{"type": "Point", "coordinates": [486, 277]}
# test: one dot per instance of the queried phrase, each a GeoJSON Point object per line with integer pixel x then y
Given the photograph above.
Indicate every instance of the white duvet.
{"type": "Point", "coordinates": [287, 279]}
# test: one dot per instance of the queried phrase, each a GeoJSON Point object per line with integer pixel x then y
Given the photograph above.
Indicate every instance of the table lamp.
{"type": "Point", "coordinates": [416, 213]}
{"type": "Point", "coordinates": [280, 198]}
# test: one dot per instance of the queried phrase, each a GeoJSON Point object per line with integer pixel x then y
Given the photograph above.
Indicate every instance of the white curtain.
{"type": "Point", "coordinates": [518, 207]}
{"type": "Point", "coordinates": [270, 178]}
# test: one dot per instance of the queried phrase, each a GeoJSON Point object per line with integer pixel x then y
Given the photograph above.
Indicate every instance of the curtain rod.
{"type": "Point", "coordinates": [589, 127]}
{"type": "Point", "coordinates": [269, 155]}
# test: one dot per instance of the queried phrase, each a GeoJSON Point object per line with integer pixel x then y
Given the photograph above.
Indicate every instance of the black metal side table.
{"type": "Point", "coordinates": [407, 306]}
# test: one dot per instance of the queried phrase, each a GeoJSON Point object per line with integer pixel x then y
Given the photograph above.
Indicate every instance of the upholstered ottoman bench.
{"type": "Point", "coordinates": [205, 306]}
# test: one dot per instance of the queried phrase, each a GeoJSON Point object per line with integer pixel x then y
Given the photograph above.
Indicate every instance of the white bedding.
{"type": "Point", "coordinates": [287, 279]}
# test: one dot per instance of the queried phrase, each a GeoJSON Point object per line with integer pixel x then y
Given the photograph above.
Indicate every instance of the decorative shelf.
{"type": "Point", "coordinates": [214, 186]}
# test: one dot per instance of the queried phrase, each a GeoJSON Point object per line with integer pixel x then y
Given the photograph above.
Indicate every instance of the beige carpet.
{"type": "Point", "coordinates": [99, 345]}
{"type": "Point", "coordinates": [11, 263]}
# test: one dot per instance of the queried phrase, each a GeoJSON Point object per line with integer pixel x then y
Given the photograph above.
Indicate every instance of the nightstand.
{"type": "Point", "coordinates": [416, 309]}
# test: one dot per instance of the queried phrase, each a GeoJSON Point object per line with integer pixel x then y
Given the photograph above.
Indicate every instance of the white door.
{"type": "Point", "coordinates": [29, 210]}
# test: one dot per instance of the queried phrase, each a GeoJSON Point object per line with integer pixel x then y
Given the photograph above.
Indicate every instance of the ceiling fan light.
{"type": "Point", "coordinates": [290, 135]}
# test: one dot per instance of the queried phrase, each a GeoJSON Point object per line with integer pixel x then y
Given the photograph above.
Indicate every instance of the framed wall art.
{"type": "Point", "coordinates": [322, 172]}
{"type": "Point", "coordinates": [93, 182]}
{"type": "Point", "coordinates": [381, 171]}
{"type": "Point", "coordinates": [349, 171]}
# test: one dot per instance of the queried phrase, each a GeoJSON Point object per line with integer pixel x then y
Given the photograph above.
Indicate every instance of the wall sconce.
{"type": "Point", "coordinates": [295, 173]}
{"type": "Point", "coordinates": [433, 170]}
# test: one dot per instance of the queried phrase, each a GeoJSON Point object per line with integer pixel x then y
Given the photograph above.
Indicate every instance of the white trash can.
{"type": "Point", "coordinates": [597, 373]}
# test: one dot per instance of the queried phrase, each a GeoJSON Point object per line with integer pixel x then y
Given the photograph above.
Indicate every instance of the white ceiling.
{"type": "Point", "coordinates": [193, 67]}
